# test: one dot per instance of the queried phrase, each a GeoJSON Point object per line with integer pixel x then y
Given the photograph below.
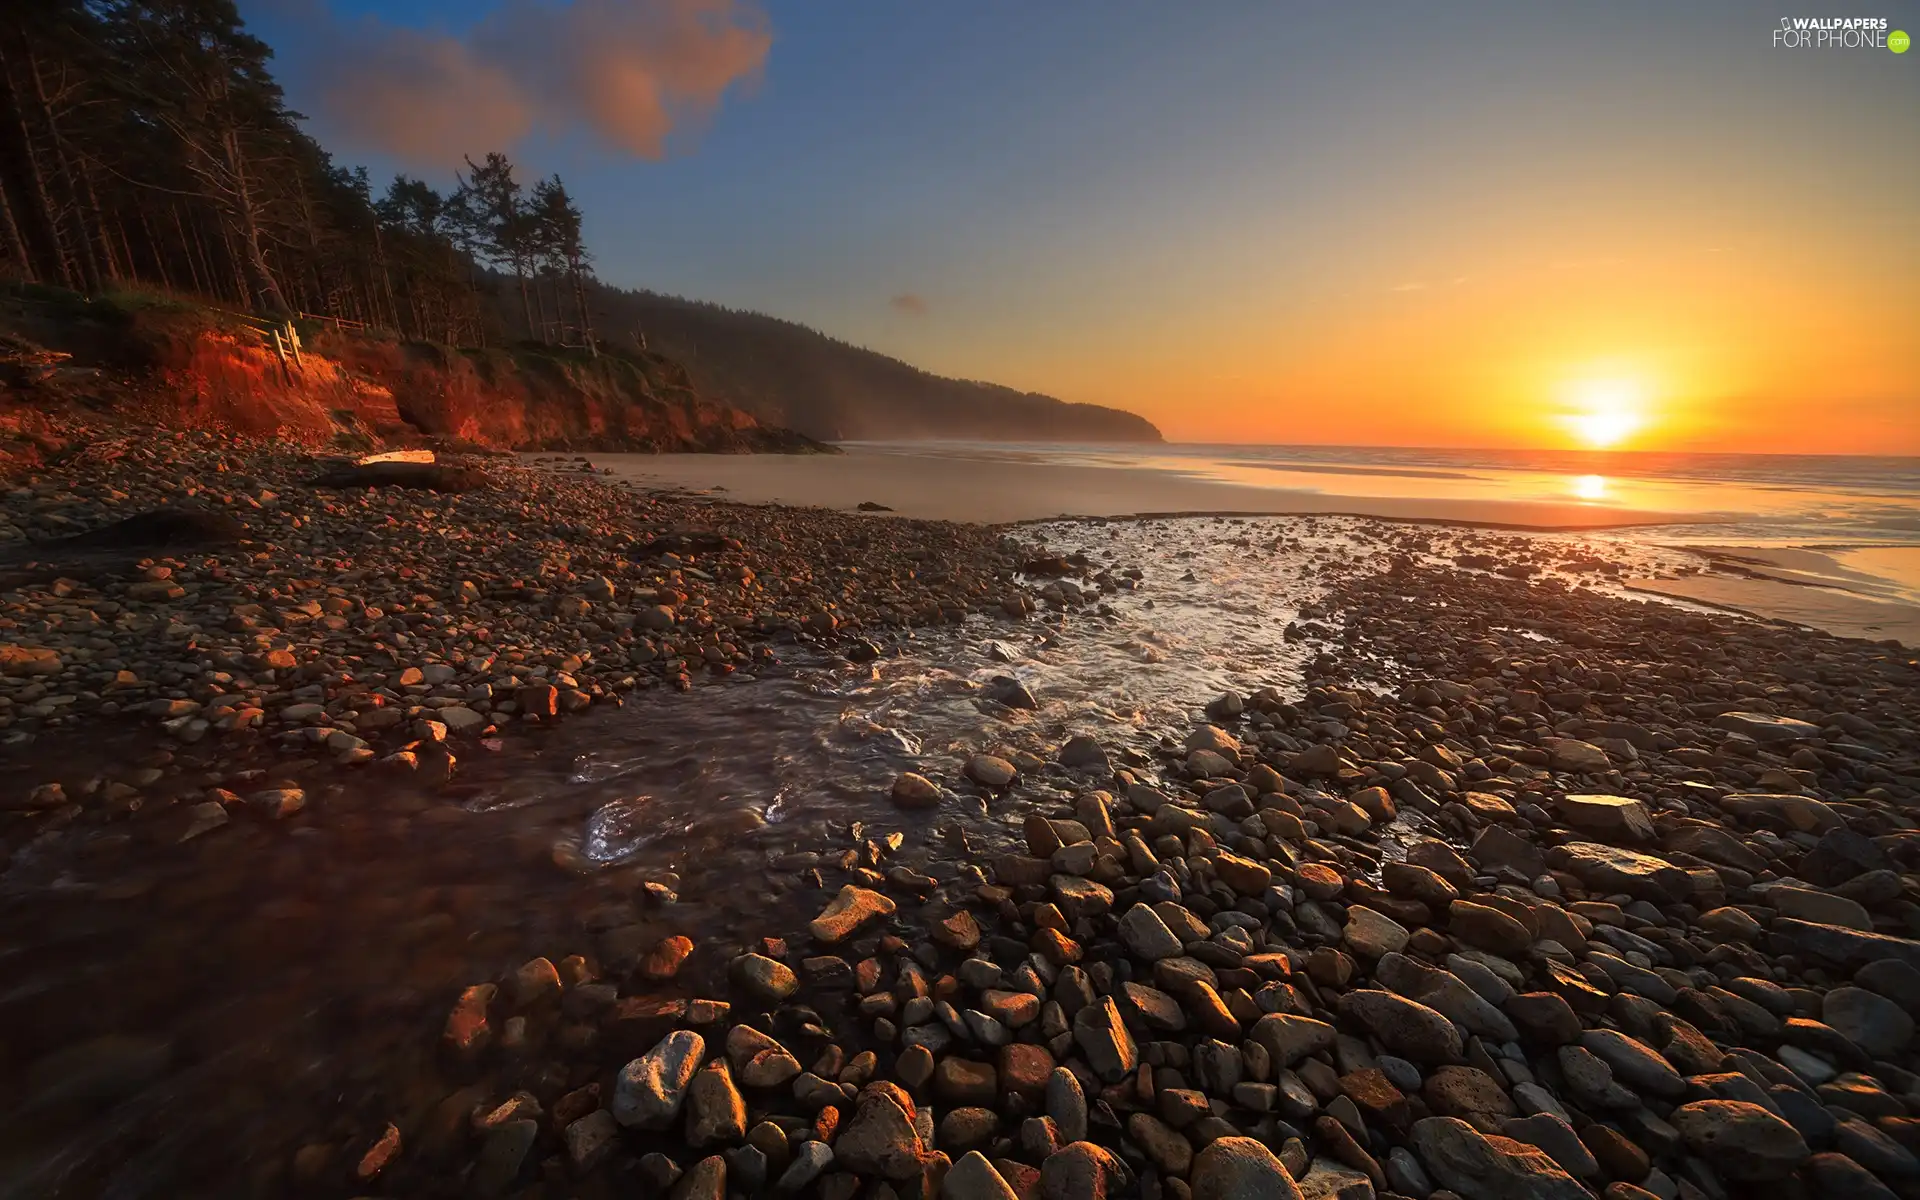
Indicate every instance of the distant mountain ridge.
{"type": "Point", "coordinates": [785, 373]}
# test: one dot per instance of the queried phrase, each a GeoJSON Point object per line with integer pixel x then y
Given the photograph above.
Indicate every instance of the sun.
{"type": "Point", "coordinates": [1603, 413]}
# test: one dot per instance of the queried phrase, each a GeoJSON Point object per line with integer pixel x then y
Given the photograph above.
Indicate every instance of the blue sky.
{"type": "Point", "coordinates": [1176, 206]}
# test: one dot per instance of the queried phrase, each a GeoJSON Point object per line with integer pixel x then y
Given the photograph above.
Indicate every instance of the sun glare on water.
{"type": "Point", "coordinates": [1604, 413]}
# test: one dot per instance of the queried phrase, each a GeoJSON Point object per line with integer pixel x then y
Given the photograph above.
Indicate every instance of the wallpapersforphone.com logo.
{"type": "Point", "coordinates": [1840, 33]}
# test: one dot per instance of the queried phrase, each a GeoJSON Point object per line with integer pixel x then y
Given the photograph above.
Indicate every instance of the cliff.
{"type": "Point", "coordinates": [176, 366]}
{"type": "Point", "coordinates": [787, 374]}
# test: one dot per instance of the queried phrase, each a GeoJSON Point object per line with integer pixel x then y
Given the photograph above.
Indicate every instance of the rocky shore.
{"type": "Point", "coordinates": [220, 588]}
{"type": "Point", "coordinates": [1532, 891]}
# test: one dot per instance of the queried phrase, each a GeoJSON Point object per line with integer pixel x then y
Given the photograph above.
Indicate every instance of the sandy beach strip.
{"type": "Point", "coordinates": [998, 491]}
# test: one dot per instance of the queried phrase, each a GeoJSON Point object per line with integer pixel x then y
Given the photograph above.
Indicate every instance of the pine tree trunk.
{"type": "Point", "coordinates": [102, 235]}
{"type": "Point", "coordinates": [82, 247]}
{"type": "Point", "coordinates": [265, 290]}
{"type": "Point", "coordinates": [195, 250]}
{"type": "Point", "coordinates": [154, 248]}
{"type": "Point", "coordinates": [40, 201]}
{"type": "Point", "coordinates": [526, 305]}
{"type": "Point", "coordinates": [16, 244]}
{"type": "Point", "coordinates": [586, 322]}
{"type": "Point", "coordinates": [540, 302]}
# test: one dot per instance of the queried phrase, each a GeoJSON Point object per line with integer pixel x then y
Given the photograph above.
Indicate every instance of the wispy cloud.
{"type": "Point", "coordinates": [1415, 286]}
{"type": "Point", "coordinates": [909, 303]}
{"type": "Point", "coordinates": [628, 73]}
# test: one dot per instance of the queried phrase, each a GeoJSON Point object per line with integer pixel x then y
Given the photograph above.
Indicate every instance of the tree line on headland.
{"type": "Point", "coordinates": [146, 142]}
{"type": "Point", "coordinates": [145, 145]}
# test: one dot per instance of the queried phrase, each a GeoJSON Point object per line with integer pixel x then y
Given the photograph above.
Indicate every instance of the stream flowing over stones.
{"type": "Point", "coordinates": [1262, 857]}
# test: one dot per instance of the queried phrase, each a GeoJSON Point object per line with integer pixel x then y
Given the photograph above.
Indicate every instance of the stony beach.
{"type": "Point", "coordinates": [1529, 890]}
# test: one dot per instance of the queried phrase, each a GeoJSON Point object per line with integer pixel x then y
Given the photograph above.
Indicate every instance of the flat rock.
{"type": "Point", "coordinates": [1611, 869]}
{"type": "Point", "coordinates": [1552, 1133]}
{"type": "Point", "coordinates": [1799, 812]}
{"type": "Point", "coordinates": [1570, 754]}
{"type": "Point", "coordinates": [1764, 728]}
{"type": "Point", "coordinates": [1487, 927]}
{"type": "Point", "coordinates": [1611, 816]}
{"type": "Point", "coordinates": [847, 912]}
{"type": "Point", "coordinates": [1373, 934]}
{"type": "Point", "coordinates": [1715, 845]}
{"type": "Point", "coordinates": [1822, 908]}
{"type": "Point", "coordinates": [1841, 946]}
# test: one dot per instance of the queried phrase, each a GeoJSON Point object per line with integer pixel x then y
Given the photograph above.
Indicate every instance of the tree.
{"type": "Point", "coordinates": [497, 222]}
{"type": "Point", "coordinates": [146, 141]}
{"type": "Point", "coordinates": [205, 82]}
{"type": "Point", "coordinates": [557, 222]}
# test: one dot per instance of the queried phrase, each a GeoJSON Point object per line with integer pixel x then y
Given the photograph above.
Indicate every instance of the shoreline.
{"type": "Point", "coordinates": [1013, 495]}
{"type": "Point", "coordinates": [1019, 954]}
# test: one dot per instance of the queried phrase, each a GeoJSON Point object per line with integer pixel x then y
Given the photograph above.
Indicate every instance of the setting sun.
{"type": "Point", "coordinates": [1606, 413]}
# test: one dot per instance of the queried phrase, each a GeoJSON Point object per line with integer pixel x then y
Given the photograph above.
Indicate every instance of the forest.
{"type": "Point", "coordinates": [146, 143]}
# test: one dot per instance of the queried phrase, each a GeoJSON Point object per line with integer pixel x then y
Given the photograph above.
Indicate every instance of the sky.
{"type": "Point", "coordinates": [1626, 224]}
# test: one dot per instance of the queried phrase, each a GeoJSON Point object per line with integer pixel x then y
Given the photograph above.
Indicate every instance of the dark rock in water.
{"type": "Point", "coordinates": [871, 506]}
{"type": "Point", "coordinates": [862, 651]}
{"type": "Point", "coordinates": [1085, 754]}
{"type": "Point", "coordinates": [430, 477]}
{"type": "Point", "coordinates": [1050, 565]}
{"type": "Point", "coordinates": [1005, 689]}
